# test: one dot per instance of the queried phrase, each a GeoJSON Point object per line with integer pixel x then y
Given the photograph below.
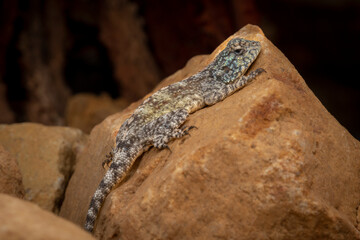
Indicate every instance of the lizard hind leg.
{"type": "Point", "coordinates": [160, 141]}
{"type": "Point", "coordinates": [108, 159]}
{"type": "Point", "coordinates": [167, 127]}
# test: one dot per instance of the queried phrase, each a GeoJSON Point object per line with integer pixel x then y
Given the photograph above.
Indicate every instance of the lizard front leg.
{"type": "Point", "coordinates": [242, 81]}
{"type": "Point", "coordinates": [220, 92]}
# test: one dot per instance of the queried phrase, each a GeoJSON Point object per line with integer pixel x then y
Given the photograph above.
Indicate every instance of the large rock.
{"type": "Point", "coordinates": [10, 176]}
{"type": "Point", "coordinates": [46, 156]}
{"type": "Point", "coordinates": [268, 162]}
{"type": "Point", "coordinates": [23, 220]}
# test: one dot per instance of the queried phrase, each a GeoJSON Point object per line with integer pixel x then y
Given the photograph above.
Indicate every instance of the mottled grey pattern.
{"type": "Point", "coordinates": [158, 119]}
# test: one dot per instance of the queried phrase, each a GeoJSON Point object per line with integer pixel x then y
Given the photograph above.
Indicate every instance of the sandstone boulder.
{"type": "Point", "coordinates": [22, 220]}
{"type": "Point", "coordinates": [85, 110]}
{"type": "Point", "coordinates": [268, 162]}
{"type": "Point", "coordinates": [46, 156]}
{"type": "Point", "coordinates": [10, 176]}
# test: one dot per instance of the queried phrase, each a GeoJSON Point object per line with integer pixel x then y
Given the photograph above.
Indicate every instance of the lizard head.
{"type": "Point", "coordinates": [235, 59]}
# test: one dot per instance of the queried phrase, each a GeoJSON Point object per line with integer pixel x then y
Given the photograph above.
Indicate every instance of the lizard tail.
{"type": "Point", "coordinates": [111, 178]}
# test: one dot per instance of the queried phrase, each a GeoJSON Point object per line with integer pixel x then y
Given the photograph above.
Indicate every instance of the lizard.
{"type": "Point", "coordinates": [160, 118]}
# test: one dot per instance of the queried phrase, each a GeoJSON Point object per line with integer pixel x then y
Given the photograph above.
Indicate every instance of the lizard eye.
{"type": "Point", "coordinates": [226, 69]}
{"type": "Point", "coordinates": [239, 51]}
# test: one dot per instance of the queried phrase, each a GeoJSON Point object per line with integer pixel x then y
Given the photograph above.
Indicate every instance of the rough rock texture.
{"type": "Point", "coordinates": [46, 156]}
{"type": "Point", "coordinates": [23, 220]}
{"type": "Point", "coordinates": [84, 110]}
{"type": "Point", "coordinates": [269, 162]}
{"type": "Point", "coordinates": [10, 176]}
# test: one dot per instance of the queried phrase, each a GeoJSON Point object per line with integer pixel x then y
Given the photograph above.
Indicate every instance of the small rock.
{"type": "Point", "coordinates": [85, 110]}
{"type": "Point", "coordinates": [10, 176]}
{"type": "Point", "coordinates": [22, 220]}
{"type": "Point", "coordinates": [46, 156]}
{"type": "Point", "coordinates": [268, 162]}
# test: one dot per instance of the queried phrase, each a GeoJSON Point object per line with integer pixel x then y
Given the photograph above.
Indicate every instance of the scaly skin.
{"type": "Point", "coordinates": [158, 119]}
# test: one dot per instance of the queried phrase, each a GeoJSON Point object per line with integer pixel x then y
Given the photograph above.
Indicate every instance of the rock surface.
{"type": "Point", "coordinates": [268, 162]}
{"type": "Point", "coordinates": [10, 176]}
{"type": "Point", "coordinates": [46, 156]}
{"type": "Point", "coordinates": [23, 220]}
{"type": "Point", "coordinates": [85, 110]}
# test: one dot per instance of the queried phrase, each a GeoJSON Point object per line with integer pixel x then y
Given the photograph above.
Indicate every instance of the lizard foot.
{"type": "Point", "coordinates": [184, 130]}
{"type": "Point", "coordinates": [162, 145]}
{"type": "Point", "coordinates": [108, 159]}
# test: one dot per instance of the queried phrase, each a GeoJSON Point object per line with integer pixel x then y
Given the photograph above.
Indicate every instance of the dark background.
{"type": "Point", "coordinates": [51, 50]}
